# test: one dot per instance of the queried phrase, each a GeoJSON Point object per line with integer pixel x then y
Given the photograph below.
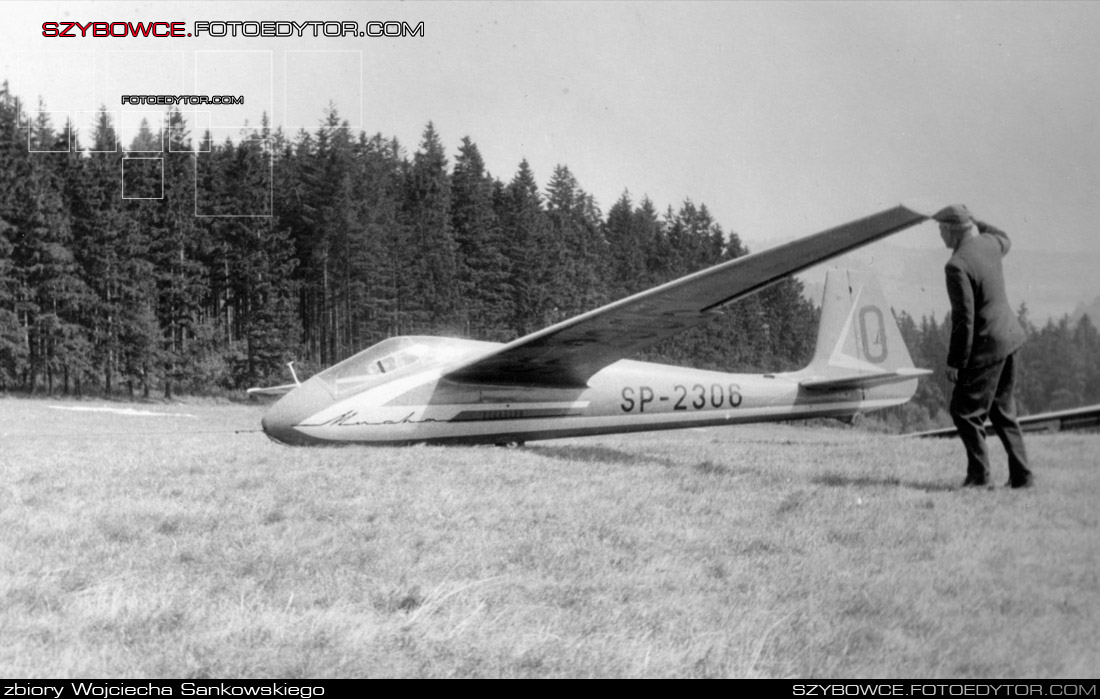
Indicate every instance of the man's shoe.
{"type": "Point", "coordinates": [972, 482]}
{"type": "Point", "coordinates": [1026, 482]}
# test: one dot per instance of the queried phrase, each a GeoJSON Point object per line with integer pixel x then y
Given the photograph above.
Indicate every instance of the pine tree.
{"type": "Point", "coordinates": [1086, 340]}
{"type": "Point", "coordinates": [260, 264]}
{"type": "Point", "coordinates": [324, 168]}
{"type": "Point", "coordinates": [627, 245]}
{"type": "Point", "coordinates": [379, 254]}
{"type": "Point", "coordinates": [108, 258]}
{"type": "Point", "coordinates": [934, 391]}
{"type": "Point", "coordinates": [13, 346]}
{"type": "Point", "coordinates": [483, 267]}
{"type": "Point", "coordinates": [14, 180]}
{"type": "Point", "coordinates": [151, 312]}
{"type": "Point", "coordinates": [526, 231]}
{"type": "Point", "coordinates": [562, 277]}
{"type": "Point", "coordinates": [178, 247]}
{"type": "Point", "coordinates": [1054, 358]}
{"type": "Point", "coordinates": [49, 291]}
{"type": "Point", "coordinates": [426, 215]}
{"type": "Point", "coordinates": [576, 244]}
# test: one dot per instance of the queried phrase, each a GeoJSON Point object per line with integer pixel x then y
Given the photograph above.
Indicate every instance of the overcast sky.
{"type": "Point", "coordinates": [783, 118]}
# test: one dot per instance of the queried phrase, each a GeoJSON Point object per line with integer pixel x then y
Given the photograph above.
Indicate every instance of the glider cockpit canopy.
{"type": "Point", "coordinates": [392, 358]}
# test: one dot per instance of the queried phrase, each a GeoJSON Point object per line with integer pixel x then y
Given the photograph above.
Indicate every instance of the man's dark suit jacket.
{"type": "Point", "coordinates": [984, 328]}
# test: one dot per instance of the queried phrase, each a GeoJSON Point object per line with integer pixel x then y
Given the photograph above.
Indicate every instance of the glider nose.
{"type": "Point", "coordinates": [280, 423]}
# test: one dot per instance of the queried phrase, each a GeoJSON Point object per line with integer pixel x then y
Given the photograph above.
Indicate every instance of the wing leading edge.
{"type": "Point", "coordinates": [569, 353]}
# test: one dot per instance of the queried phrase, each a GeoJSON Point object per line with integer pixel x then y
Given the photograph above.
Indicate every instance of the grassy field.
{"type": "Point", "coordinates": [169, 545]}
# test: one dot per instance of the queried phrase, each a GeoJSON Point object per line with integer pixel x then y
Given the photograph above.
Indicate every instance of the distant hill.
{"type": "Point", "coordinates": [1051, 283]}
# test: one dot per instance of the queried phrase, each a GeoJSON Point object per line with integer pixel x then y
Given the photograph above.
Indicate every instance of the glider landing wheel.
{"type": "Point", "coordinates": [511, 445]}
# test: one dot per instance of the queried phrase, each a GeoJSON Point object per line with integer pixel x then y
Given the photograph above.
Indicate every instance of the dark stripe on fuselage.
{"type": "Point", "coordinates": [514, 414]}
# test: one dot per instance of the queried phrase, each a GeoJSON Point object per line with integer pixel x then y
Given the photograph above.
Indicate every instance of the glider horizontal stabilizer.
{"type": "Point", "coordinates": [863, 380]}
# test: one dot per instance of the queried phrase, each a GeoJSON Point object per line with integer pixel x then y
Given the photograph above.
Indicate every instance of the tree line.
{"type": "Point", "coordinates": [1057, 368]}
{"type": "Point", "coordinates": [185, 264]}
{"type": "Point", "coordinates": [181, 264]}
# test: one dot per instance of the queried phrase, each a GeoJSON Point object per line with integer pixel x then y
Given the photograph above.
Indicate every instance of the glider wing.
{"type": "Point", "coordinates": [569, 353]}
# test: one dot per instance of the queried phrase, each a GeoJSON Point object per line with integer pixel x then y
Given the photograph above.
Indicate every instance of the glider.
{"type": "Point", "coordinates": [573, 378]}
{"type": "Point", "coordinates": [1072, 419]}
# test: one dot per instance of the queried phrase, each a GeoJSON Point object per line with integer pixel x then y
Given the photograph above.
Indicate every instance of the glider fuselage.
{"type": "Point", "coordinates": [419, 405]}
{"type": "Point", "coordinates": [575, 377]}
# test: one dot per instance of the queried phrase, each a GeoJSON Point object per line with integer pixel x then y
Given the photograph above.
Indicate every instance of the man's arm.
{"type": "Point", "coordinates": [962, 316]}
{"type": "Point", "coordinates": [997, 233]}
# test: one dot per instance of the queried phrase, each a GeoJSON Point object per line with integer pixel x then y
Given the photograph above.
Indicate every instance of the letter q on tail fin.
{"type": "Point", "coordinates": [859, 344]}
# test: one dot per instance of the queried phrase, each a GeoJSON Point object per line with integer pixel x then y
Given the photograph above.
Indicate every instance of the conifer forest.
{"type": "Point", "coordinates": [175, 264]}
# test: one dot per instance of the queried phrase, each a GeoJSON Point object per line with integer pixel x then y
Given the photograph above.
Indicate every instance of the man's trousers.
{"type": "Point", "coordinates": [988, 391]}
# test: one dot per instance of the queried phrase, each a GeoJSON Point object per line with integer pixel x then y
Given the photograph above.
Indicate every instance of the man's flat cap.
{"type": "Point", "coordinates": [956, 214]}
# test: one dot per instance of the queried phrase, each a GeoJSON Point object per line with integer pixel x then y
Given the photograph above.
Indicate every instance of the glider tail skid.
{"type": "Point", "coordinates": [859, 344]}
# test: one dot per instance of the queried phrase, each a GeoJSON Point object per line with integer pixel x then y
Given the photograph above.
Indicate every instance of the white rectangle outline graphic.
{"type": "Point", "coordinates": [85, 54]}
{"type": "Point", "coordinates": [21, 55]}
{"type": "Point", "coordinates": [107, 72]}
{"type": "Point", "coordinates": [118, 122]}
{"type": "Point", "coordinates": [270, 185]}
{"type": "Point", "coordinates": [194, 126]}
{"type": "Point", "coordinates": [68, 132]}
{"type": "Point", "coordinates": [107, 89]}
{"type": "Point", "coordinates": [163, 129]}
{"type": "Point", "coordinates": [271, 73]}
{"type": "Point", "coordinates": [123, 182]}
{"type": "Point", "coordinates": [286, 125]}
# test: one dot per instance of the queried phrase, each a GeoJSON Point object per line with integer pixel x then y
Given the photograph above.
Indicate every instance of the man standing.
{"type": "Point", "coordinates": [985, 335]}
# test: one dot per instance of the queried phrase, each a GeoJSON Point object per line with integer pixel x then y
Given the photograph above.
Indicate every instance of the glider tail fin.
{"type": "Point", "coordinates": [859, 344]}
